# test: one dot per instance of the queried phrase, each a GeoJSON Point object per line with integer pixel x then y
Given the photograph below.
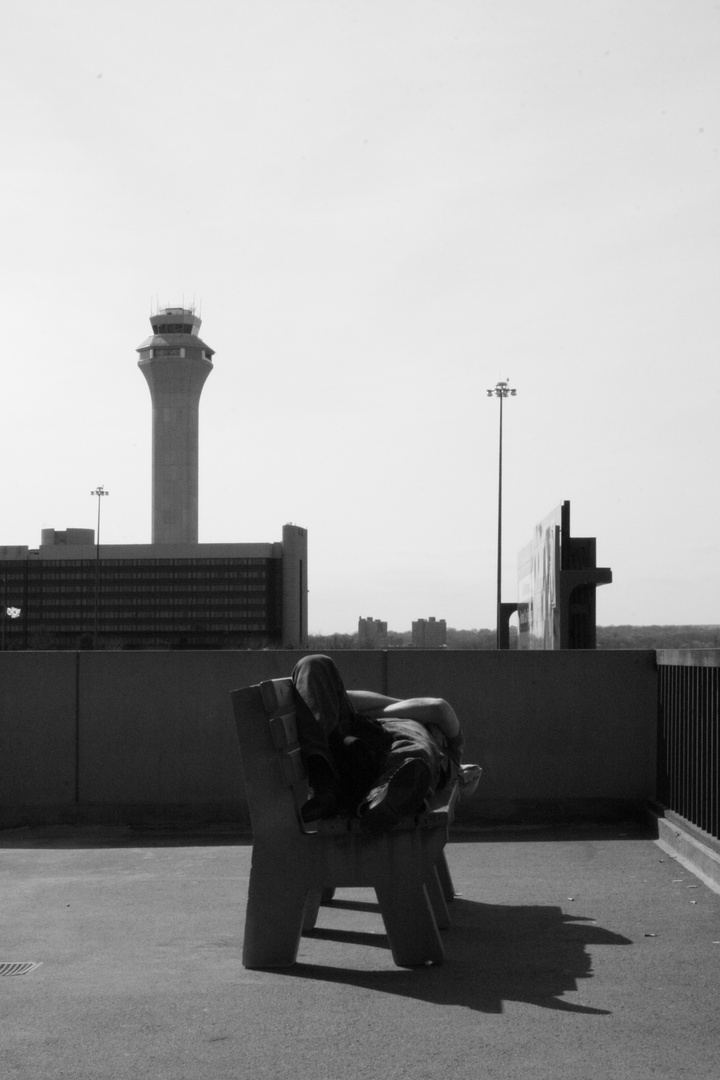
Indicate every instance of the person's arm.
{"type": "Point", "coordinates": [424, 710]}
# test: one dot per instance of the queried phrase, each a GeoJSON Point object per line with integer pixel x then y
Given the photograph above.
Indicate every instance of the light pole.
{"type": "Point", "coordinates": [99, 491]}
{"type": "Point", "coordinates": [501, 391]}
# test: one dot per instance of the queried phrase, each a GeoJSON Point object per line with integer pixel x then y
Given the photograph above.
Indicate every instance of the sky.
{"type": "Point", "coordinates": [380, 209]}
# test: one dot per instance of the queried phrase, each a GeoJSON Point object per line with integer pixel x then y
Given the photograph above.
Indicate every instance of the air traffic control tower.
{"type": "Point", "coordinates": [176, 364]}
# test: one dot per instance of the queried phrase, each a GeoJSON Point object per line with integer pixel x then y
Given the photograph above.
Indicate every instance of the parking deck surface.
{"type": "Point", "coordinates": [584, 953]}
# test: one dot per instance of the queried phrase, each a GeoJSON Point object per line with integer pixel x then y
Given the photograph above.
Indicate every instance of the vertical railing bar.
{"type": "Point", "coordinates": [697, 764]}
{"type": "Point", "coordinates": [673, 741]}
{"type": "Point", "coordinates": [663, 734]}
{"type": "Point", "coordinates": [694, 735]}
{"type": "Point", "coordinates": [682, 738]}
{"type": "Point", "coordinates": [668, 738]}
{"type": "Point", "coordinates": [691, 814]}
{"type": "Point", "coordinates": [667, 732]}
{"type": "Point", "coordinates": [707, 750]}
{"type": "Point", "coordinates": [688, 705]}
{"type": "Point", "coordinates": [675, 760]}
{"type": "Point", "coordinates": [690, 727]}
{"type": "Point", "coordinates": [715, 754]}
{"type": "Point", "coordinates": [701, 752]}
{"type": "Point", "coordinates": [712, 771]}
{"type": "Point", "coordinates": [680, 705]}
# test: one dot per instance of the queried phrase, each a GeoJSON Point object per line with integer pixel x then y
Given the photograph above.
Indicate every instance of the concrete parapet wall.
{"type": "Point", "coordinates": [38, 728]}
{"type": "Point", "coordinates": [149, 736]}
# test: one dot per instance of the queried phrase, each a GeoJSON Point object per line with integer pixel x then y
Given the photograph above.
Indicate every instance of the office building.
{"type": "Point", "coordinates": [151, 596]}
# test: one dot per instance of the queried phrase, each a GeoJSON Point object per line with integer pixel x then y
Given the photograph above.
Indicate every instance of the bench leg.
{"type": "Point", "coordinates": [409, 921]}
{"type": "Point", "coordinates": [312, 907]}
{"type": "Point", "coordinates": [446, 880]}
{"type": "Point", "coordinates": [437, 899]}
{"type": "Point", "coordinates": [273, 920]}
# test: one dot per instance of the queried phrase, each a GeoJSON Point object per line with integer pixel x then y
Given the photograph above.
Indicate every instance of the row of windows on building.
{"type": "Point", "coordinates": [172, 350]}
{"type": "Point", "coordinates": [221, 608]}
{"type": "Point", "coordinates": [185, 565]}
{"type": "Point", "coordinates": [66, 576]}
{"type": "Point", "coordinates": [141, 633]}
{"type": "Point", "coordinates": [199, 600]}
{"type": "Point", "coordinates": [137, 575]}
{"type": "Point", "coordinates": [158, 620]}
{"type": "Point", "coordinates": [89, 569]}
{"type": "Point", "coordinates": [203, 566]}
{"type": "Point", "coordinates": [109, 589]}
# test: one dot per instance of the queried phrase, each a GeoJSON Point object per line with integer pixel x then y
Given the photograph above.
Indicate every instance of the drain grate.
{"type": "Point", "coordinates": [18, 967]}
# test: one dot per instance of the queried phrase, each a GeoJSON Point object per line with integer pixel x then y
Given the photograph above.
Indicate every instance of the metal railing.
{"type": "Point", "coordinates": [689, 735]}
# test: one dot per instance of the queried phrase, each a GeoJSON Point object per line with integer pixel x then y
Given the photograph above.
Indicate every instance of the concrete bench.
{"type": "Point", "coordinates": [295, 865]}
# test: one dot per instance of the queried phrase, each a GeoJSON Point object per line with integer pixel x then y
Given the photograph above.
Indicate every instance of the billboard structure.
{"type": "Point", "coordinates": [557, 578]}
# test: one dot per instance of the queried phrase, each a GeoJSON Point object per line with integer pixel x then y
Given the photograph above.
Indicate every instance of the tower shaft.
{"type": "Point", "coordinates": [175, 363]}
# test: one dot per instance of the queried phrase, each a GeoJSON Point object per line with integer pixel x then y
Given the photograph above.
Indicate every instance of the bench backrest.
{"type": "Point", "coordinates": [275, 777]}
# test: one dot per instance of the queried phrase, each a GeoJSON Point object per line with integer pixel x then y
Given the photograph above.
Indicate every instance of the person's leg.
{"type": "Point", "coordinates": [413, 741]}
{"type": "Point", "coordinates": [413, 768]}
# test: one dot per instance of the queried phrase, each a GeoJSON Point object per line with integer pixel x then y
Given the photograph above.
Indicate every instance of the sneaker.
{"type": "Point", "coordinates": [469, 778]}
{"type": "Point", "coordinates": [403, 793]}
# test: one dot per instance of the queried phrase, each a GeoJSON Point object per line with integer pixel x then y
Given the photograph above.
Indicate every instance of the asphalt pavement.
{"type": "Point", "coordinates": [587, 953]}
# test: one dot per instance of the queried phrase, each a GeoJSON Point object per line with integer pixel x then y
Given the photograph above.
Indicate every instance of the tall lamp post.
{"type": "Point", "coordinates": [99, 492]}
{"type": "Point", "coordinates": [501, 391]}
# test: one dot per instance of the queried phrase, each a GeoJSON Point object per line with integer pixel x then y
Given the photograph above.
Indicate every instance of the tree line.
{"type": "Point", "coordinates": [608, 637]}
{"type": "Point", "coordinates": [658, 637]}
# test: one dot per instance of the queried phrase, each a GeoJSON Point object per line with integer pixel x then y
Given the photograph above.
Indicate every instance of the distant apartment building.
{"type": "Point", "coordinates": [429, 633]}
{"type": "Point", "coordinates": [372, 633]}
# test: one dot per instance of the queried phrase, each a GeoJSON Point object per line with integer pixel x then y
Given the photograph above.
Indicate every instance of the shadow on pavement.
{"type": "Point", "coordinates": [493, 953]}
